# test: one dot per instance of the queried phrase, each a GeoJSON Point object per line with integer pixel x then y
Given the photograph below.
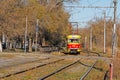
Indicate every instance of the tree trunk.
{"type": "Point", "coordinates": [30, 45]}
{"type": "Point", "coordinates": [11, 45]}
{"type": "Point", "coordinates": [43, 42]}
{"type": "Point", "coordinates": [0, 46]}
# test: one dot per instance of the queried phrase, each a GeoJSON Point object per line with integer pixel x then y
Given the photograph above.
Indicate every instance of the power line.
{"type": "Point", "coordinates": [78, 22]}
{"type": "Point", "coordinates": [118, 15]}
{"type": "Point", "coordinates": [118, 6]}
{"type": "Point", "coordinates": [109, 8]}
{"type": "Point", "coordinates": [92, 2]}
{"type": "Point", "coordinates": [89, 6]}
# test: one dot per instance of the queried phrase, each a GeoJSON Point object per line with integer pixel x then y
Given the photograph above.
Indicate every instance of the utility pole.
{"type": "Point", "coordinates": [36, 36]}
{"type": "Point", "coordinates": [114, 40]}
{"type": "Point", "coordinates": [25, 45]}
{"type": "Point", "coordinates": [77, 28]}
{"type": "Point", "coordinates": [104, 32]}
{"type": "Point", "coordinates": [91, 38]}
{"type": "Point", "coordinates": [85, 45]}
{"type": "Point", "coordinates": [114, 37]}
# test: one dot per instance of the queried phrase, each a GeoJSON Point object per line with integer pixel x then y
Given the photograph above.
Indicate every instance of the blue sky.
{"type": "Point", "coordinates": [87, 14]}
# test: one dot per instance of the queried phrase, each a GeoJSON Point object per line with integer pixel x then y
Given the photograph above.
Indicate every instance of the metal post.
{"type": "Point", "coordinates": [25, 45]}
{"type": "Point", "coordinates": [36, 36]}
{"type": "Point", "coordinates": [77, 27]}
{"type": "Point", "coordinates": [111, 71]}
{"type": "Point", "coordinates": [85, 45]}
{"type": "Point", "coordinates": [114, 30]}
{"type": "Point", "coordinates": [104, 32]}
{"type": "Point", "coordinates": [91, 38]}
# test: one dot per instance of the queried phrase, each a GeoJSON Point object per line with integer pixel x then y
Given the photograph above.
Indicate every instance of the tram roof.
{"type": "Point", "coordinates": [73, 36]}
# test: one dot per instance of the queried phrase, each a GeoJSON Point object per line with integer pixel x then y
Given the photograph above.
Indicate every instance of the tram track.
{"type": "Point", "coordinates": [28, 69]}
{"type": "Point", "coordinates": [88, 71]}
{"type": "Point", "coordinates": [61, 69]}
{"type": "Point", "coordinates": [53, 69]}
{"type": "Point", "coordinates": [99, 55]}
{"type": "Point", "coordinates": [86, 68]}
{"type": "Point", "coordinates": [58, 70]}
{"type": "Point", "coordinates": [90, 53]}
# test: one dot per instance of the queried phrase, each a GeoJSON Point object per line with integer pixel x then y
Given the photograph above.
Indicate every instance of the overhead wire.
{"type": "Point", "coordinates": [109, 9]}
{"type": "Point", "coordinates": [91, 3]}
{"type": "Point", "coordinates": [118, 8]}
{"type": "Point", "coordinates": [95, 10]}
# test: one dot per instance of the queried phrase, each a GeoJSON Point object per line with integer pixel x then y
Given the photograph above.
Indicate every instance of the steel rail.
{"type": "Point", "coordinates": [88, 71]}
{"type": "Point", "coordinates": [8, 75]}
{"type": "Point", "coordinates": [60, 69]}
{"type": "Point", "coordinates": [88, 52]}
{"type": "Point", "coordinates": [106, 75]}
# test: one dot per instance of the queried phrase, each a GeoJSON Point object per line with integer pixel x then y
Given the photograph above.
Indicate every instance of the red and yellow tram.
{"type": "Point", "coordinates": [73, 44]}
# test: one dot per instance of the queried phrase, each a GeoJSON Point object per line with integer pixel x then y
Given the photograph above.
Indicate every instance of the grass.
{"type": "Point", "coordinates": [7, 55]}
{"type": "Point", "coordinates": [98, 71]}
{"type": "Point", "coordinates": [116, 69]}
{"type": "Point", "coordinates": [36, 73]}
{"type": "Point", "coordinates": [69, 74]}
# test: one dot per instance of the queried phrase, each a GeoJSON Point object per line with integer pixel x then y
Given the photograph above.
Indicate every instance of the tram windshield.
{"type": "Point", "coordinates": [73, 40]}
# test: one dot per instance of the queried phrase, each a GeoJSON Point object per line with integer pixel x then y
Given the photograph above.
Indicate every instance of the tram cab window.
{"type": "Point", "coordinates": [73, 40]}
